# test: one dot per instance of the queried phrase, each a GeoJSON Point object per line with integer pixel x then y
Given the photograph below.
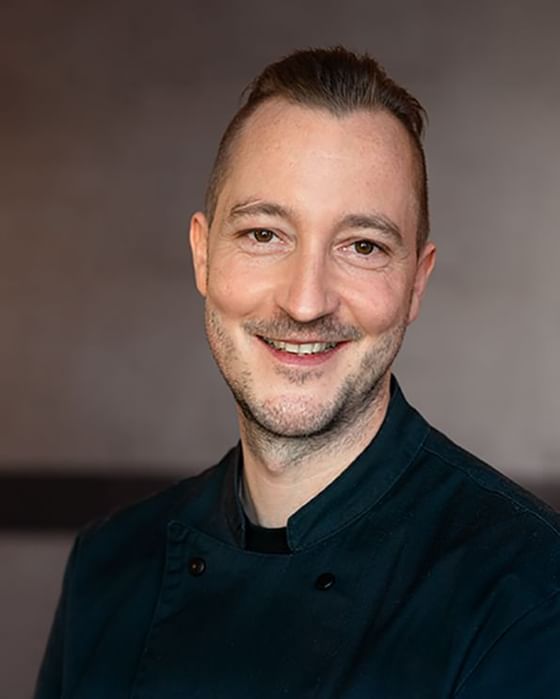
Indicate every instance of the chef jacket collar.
{"type": "Point", "coordinates": [357, 489]}
{"type": "Point", "coordinates": [215, 507]}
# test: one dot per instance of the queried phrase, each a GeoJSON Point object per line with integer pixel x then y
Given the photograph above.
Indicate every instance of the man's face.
{"type": "Point", "coordinates": [309, 270]}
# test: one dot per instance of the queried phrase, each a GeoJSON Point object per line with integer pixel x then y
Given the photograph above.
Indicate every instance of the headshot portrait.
{"type": "Point", "coordinates": [296, 328]}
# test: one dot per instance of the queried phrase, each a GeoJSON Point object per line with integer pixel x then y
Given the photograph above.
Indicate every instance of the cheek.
{"type": "Point", "coordinates": [379, 305]}
{"type": "Point", "coordinates": [235, 291]}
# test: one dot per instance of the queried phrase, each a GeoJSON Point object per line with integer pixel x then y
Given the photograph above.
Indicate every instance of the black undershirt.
{"type": "Point", "coordinates": [265, 540]}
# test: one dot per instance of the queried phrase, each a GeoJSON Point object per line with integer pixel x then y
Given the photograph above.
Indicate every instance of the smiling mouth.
{"type": "Point", "coordinates": [300, 348]}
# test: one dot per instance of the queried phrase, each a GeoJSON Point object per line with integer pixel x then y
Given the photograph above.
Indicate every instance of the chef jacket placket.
{"type": "Point", "coordinates": [224, 611]}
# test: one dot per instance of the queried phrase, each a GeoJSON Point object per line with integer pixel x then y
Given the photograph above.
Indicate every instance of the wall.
{"type": "Point", "coordinates": [110, 117]}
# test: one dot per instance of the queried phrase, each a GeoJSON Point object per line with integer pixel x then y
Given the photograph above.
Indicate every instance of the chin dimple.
{"type": "Point", "coordinates": [300, 348]}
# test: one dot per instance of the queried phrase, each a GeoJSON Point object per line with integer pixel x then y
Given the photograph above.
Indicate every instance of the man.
{"type": "Point", "coordinates": [344, 548]}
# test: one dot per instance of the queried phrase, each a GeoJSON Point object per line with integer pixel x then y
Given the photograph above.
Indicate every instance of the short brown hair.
{"type": "Point", "coordinates": [341, 82]}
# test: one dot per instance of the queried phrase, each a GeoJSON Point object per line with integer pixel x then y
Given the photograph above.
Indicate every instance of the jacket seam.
{"type": "Point", "coordinates": [494, 491]}
{"type": "Point", "coordinates": [497, 640]}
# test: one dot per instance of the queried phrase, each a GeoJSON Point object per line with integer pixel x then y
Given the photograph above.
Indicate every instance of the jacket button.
{"type": "Point", "coordinates": [325, 581]}
{"type": "Point", "coordinates": [177, 531]}
{"type": "Point", "coordinates": [197, 566]}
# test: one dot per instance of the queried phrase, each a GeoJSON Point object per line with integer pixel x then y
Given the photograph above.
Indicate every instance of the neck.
{"type": "Point", "coordinates": [281, 474]}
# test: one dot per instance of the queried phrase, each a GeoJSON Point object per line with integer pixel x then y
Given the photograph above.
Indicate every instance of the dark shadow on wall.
{"type": "Point", "coordinates": [46, 502]}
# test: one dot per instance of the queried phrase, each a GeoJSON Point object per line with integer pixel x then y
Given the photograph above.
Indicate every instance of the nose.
{"type": "Point", "coordinates": [307, 289]}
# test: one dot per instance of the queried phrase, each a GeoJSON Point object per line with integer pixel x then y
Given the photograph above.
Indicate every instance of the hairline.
{"type": "Point", "coordinates": [236, 128]}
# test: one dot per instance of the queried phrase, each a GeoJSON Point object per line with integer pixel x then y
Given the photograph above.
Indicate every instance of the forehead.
{"type": "Point", "coordinates": [309, 159]}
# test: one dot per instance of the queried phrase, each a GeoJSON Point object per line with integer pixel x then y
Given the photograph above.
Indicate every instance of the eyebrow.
{"type": "Point", "coordinates": [264, 208]}
{"type": "Point", "coordinates": [365, 221]}
{"type": "Point", "coordinates": [373, 221]}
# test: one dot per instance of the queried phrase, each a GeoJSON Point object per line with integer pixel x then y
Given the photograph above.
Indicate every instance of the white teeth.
{"type": "Point", "coordinates": [303, 348]}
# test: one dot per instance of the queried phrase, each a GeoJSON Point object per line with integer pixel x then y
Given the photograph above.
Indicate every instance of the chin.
{"type": "Point", "coordinates": [293, 416]}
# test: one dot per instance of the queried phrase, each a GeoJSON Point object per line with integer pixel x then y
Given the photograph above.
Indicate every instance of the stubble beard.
{"type": "Point", "coordinates": [304, 424]}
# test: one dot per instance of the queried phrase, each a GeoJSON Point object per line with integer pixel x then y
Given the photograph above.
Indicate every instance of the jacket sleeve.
{"type": "Point", "coordinates": [524, 662]}
{"type": "Point", "coordinates": [50, 680]}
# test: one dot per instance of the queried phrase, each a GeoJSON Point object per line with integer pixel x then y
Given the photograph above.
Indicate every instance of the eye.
{"type": "Point", "coordinates": [262, 241]}
{"type": "Point", "coordinates": [262, 235]}
{"type": "Point", "coordinates": [364, 247]}
{"type": "Point", "coordinates": [364, 253]}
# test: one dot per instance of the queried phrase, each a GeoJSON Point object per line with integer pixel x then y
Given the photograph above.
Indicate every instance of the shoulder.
{"type": "Point", "coordinates": [487, 485]}
{"type": "Point", "coordinates": [141, 527]}
{"type": "Point", "coordinates": [503, 532]}
{"type": "Point", "coordinates": [499, 549]}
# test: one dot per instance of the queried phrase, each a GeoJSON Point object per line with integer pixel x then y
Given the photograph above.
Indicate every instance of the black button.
{"type": "Point", "coordinates": [325, 581]}
{"type": "Point", "coordinates": [197, 566]}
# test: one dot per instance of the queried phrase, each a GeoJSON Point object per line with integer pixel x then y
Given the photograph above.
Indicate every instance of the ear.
{"type": "Point", "coordinates": [198, 236]}
{"type": "Point", "coordinates": [424, 266]}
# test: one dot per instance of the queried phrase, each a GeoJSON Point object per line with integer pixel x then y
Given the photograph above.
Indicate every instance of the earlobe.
{"type": "Point", "coordinates": [198, 236]}
{"type": "Point", "coordinates": [424, 267]}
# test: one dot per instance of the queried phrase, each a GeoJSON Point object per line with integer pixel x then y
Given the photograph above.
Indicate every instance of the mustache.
{"type": "Point", "coordinates": [325, 329]}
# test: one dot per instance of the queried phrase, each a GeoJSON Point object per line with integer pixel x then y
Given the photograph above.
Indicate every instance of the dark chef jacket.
{"type": "Point", "coordinates": [419, 572]}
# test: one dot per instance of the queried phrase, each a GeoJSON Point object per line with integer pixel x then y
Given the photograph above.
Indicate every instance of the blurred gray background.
{"type": "Point", "coordinates": [110, 113]}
